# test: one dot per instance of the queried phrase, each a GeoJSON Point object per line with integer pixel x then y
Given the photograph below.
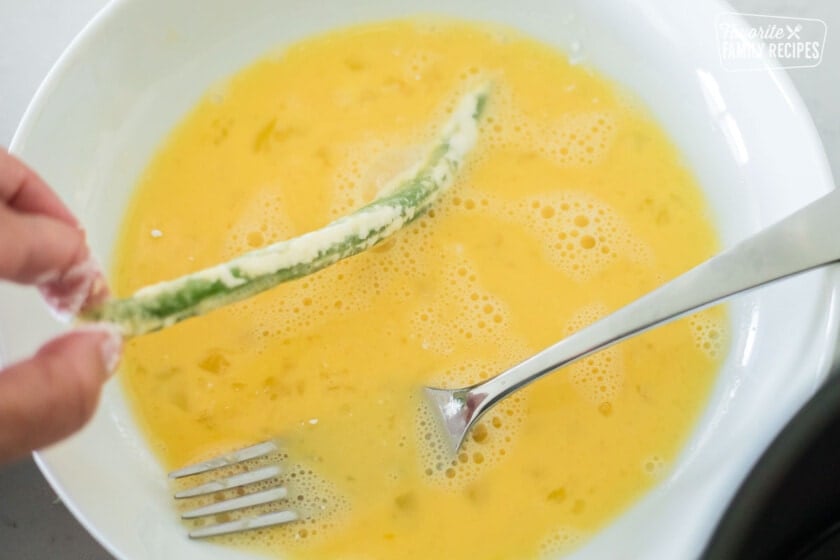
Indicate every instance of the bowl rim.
{"type": "Point", "coordinates": [103, 17]}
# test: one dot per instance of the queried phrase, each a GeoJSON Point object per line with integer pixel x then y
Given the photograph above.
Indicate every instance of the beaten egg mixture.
{"type": "Point", "coordinates": [573, 203]}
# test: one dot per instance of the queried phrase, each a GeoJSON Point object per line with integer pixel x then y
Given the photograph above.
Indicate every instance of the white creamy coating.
{"type": "Point", "coordinates": [288, 253]}
{"type": "Point", "coordinates": [308, 246]}
{"type": "Point", "coordinates": [460, 135]}
{"type": "Point", "coordinates": [462, 129]}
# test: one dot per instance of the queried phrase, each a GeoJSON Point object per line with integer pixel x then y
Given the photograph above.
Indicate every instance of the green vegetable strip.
{"type": "Point", "coordinates": [164, 304]}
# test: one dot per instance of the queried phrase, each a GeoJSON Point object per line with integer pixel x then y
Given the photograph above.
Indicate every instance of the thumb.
{"type": "Point", "coordinates": [53, 394]}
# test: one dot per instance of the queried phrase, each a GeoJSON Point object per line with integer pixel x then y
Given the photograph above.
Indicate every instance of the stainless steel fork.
{"type": "Point", "coordinates": [805, 240]}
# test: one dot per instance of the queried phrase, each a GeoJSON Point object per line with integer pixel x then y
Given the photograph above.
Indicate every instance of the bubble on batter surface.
{"type": "Point", "coordinates": [709, 332]}
{"type": "Point", "coordinates": [418, 64]}
{"type": "Point", "coordinates": [491, 439]}
{"type": "Point", "coordinates": [582, 138]}
{"type": "Point", "coordinates": [261, 222]}
{"type": "Point", "coordinates": [461, 311]}
{"type": "Point", "coordinates": [580, 234]}
{"type": "Point", "coordinates": [560, 542]}
{"type": "Point", "coordinates": [654, 466]}
{"type": "Point", "coordinates": [297, 307]}
{"type": "Point", "coordinates": [598, 378]}
{"type": "Point", "coordinates": [366, 167]}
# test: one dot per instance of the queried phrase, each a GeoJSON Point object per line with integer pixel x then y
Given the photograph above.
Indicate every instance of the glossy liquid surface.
{"type": "Point", "coordinates": [573, 203]}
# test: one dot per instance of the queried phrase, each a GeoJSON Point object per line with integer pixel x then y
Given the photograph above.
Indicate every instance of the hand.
{"type": "Point", "coordinates": [54, 393]}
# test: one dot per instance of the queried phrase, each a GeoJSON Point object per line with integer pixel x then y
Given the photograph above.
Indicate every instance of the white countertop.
{"type": "Point", "coordinates": [34, 525]}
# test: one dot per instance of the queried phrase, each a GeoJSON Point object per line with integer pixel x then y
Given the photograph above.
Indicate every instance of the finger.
{"type": "Point", "coordinates": [50, 253]}
{"type": "Point", "coordinates": [38, 248]}
{"type": "Point", "coordinates": [22, 189]}
{"type": "Point", "coordinates": [53, 394]}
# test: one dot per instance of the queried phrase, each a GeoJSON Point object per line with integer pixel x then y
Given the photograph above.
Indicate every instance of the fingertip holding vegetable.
{"type": "Point", "coordinates": [399, 203]}
{"type": "Point", "coordinates": [81, 286]}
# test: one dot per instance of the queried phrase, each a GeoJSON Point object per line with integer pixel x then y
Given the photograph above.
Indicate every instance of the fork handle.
{"type": "Point", "coordinates": [805, 240]}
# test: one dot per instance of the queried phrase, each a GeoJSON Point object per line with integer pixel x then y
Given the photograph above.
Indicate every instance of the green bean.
{"type": "Point", "coordinates": [404, 199]}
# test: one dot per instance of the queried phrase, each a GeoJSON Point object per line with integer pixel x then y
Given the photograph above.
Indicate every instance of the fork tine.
{"type": "Point", "coordinates": [266, 520]}
{"type": "Point", "coordinates": [234, 481]}
{"type": "Point", "coordinates": [232, 458]}
{"type": "Point", "coordinates": [248, 500]}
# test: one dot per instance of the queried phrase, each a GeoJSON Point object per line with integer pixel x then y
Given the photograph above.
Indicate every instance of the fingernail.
{"type": "Point", "coordinates": [99, 291]}
{"type": "Point", "coordinates": [110, 347]}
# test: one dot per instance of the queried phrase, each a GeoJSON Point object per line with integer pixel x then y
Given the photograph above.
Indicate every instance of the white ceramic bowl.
{"type": "Point", "coordinates": [140, 65]}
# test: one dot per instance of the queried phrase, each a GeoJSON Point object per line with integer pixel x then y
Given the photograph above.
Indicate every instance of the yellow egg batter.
{"type": "Point", "coordinates": [573, 203]}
